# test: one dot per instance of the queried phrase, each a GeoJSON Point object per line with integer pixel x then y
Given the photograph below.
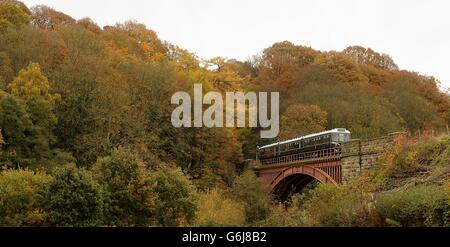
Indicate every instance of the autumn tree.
{"type": "Point", "coordinates": [11, 15]}
{"type": "Point", "coordinates": [48, 18]}
{"type": "Point", "coordinates": [351, 107]}
{"type": "Point", "coordinates": [223, 75]}
{"type": "Point", "coordinates": [33, 87]}
{"type": "Point", "coordinates": [342, 66]}
{"type": "Point", "coordinates": [6, 71]}
{"type": "Point", "coordinates": [19, 4]}
{"type": "Point", "coordinates": [217, 208]}
{"type": "Point", "coordinates": [146, 40]}
{"type": "Point", "coordinates": [300, 120]}
{"type": "Point", "coordinates": [369, 56]}
{"type": "Point", "coordinates": [31, 83]}
{"type": "Point", "coordinates": [279, 65]}
{"type": "Point", "coordinates": [28, 119]}
{"type": "Point", "coordinates": [90, 25]}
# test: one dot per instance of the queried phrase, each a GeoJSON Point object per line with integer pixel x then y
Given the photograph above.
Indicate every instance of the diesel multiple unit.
{"type": "Point", "coordinates": [323, 140]}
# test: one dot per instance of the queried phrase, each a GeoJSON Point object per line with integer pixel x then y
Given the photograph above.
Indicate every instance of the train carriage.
{"type": "Point", "coordinates": [323, 140]}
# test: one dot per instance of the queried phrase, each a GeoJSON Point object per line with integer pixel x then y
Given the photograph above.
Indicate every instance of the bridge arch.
{"type": "Point", "coordinates": [316, 173]}
{"type": "Point", "coordinates": [295, 178]}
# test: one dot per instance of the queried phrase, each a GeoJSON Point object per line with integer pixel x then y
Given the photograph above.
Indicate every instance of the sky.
{"type": "Point", "coordinates": [416, 33]}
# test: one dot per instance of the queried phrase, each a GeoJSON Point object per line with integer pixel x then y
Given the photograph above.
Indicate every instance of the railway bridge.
{"type": "Point", "coordinates": [291, 173]}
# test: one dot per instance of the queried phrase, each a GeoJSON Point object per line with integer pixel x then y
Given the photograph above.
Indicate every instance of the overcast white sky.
{"type": "Point", "coordinates": [416, 33]}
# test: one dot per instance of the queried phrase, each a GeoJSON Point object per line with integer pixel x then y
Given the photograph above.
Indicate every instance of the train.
{"type": "Point", "coordinates": [317, 141]}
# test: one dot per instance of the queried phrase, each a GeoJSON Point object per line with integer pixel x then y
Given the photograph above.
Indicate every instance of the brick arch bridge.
{"type": "Point", "coordinates": [291, 173]}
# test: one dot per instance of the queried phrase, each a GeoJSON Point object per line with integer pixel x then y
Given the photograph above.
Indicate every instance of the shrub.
{"type": "Point", "coordinates": [131, 196]}
{"type": "Point", "coordinates": [74, 198]}
{"type": "Point", "coordinates": [256, 198]}
{"type": "Point", "coordinates": [177, 197]}
{"type": "Point", "coordinates": [208, 180]}
{"type": "Point", "coordinates": [217, 209]}
{"type": "Point", "coordinates": [424, 205]}
{"type": "Point", "coordinates": [282, 216]}
{"type": "Point", "coordinates": [417, 155]}
{"type": "Point", "coordinates": [21, 197]}
{"type": "Point", "coordinates": [338, 206]}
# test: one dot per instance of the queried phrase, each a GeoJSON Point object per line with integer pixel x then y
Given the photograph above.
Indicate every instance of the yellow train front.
{"type": "Point", "coordinates": [323, 140]}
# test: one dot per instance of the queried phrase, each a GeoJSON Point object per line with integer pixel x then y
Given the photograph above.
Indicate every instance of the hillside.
{"type": "Point", "coordinates": [98, 98]}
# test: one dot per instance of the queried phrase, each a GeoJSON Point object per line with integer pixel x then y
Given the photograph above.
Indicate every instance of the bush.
{"type": "Point", "coordinates": [418, 155]}
{"type": "Point", "coordinates": [21, 197]}
{"type": "Point", "coordinates": [282, 216]}
{"type": "Point", "coordinates": [208, 180]}
{"type": "Point", "coordinates": [177, 197]}
{"type": "Point", "coordinates": [74, 198]}
{"type": "Point", "coordinates": [338, 206]}
{"type": "Point", "coordinates": [217, 209]}
{"type": "Point", "coordinates": [417, 206]}
{"type": "Point", "coordinates": [131, 196]}
{"type": "Point", "coordinates": [256, 198]}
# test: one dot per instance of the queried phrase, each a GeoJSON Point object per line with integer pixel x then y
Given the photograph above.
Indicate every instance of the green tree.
{"type": "Point", "coordinates": [249, 190]}
{"type": "Point", "coordinates": [21, 197]}
{"type": "Point", "coordinates": [18, 131]}
{"type": "Point", "coordinates": [283, 56]}
{"type": "Point", "coordinates": [44, 120]}
{"type": "Point", "coordinates": [131, 195]}
{"type": "Point", "coordinates": [177, 197]}
{"type": "Point", "coordinates": [74, 198]}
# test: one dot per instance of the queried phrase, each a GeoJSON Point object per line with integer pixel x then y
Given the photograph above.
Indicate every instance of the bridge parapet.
{"type": "Point", "coordinates": [371, 146]}
{"type": "Point", "coordinates": [358, 155]}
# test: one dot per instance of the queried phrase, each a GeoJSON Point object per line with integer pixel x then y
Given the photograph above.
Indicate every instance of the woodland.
{"type": "Point", "coordinates": [86, 138]}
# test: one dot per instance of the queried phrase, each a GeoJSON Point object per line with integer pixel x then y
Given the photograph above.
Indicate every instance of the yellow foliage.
{"type": "Point", "coordinates": [32, 83]}
{"type": "Point", "coordinates": [2, 93]}
{"type": "Point", "coordinates": [222, 75]}
{"type": "Point", "coordinates": [216, 209]}
{"type": "Point", "coordinates": [1, 138]}
{"type": "Point", "coordinates": [343, 67]}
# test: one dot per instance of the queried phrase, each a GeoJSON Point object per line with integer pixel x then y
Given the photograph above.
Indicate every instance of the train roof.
{"type": "Point", "coordinates": [337, 130]}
